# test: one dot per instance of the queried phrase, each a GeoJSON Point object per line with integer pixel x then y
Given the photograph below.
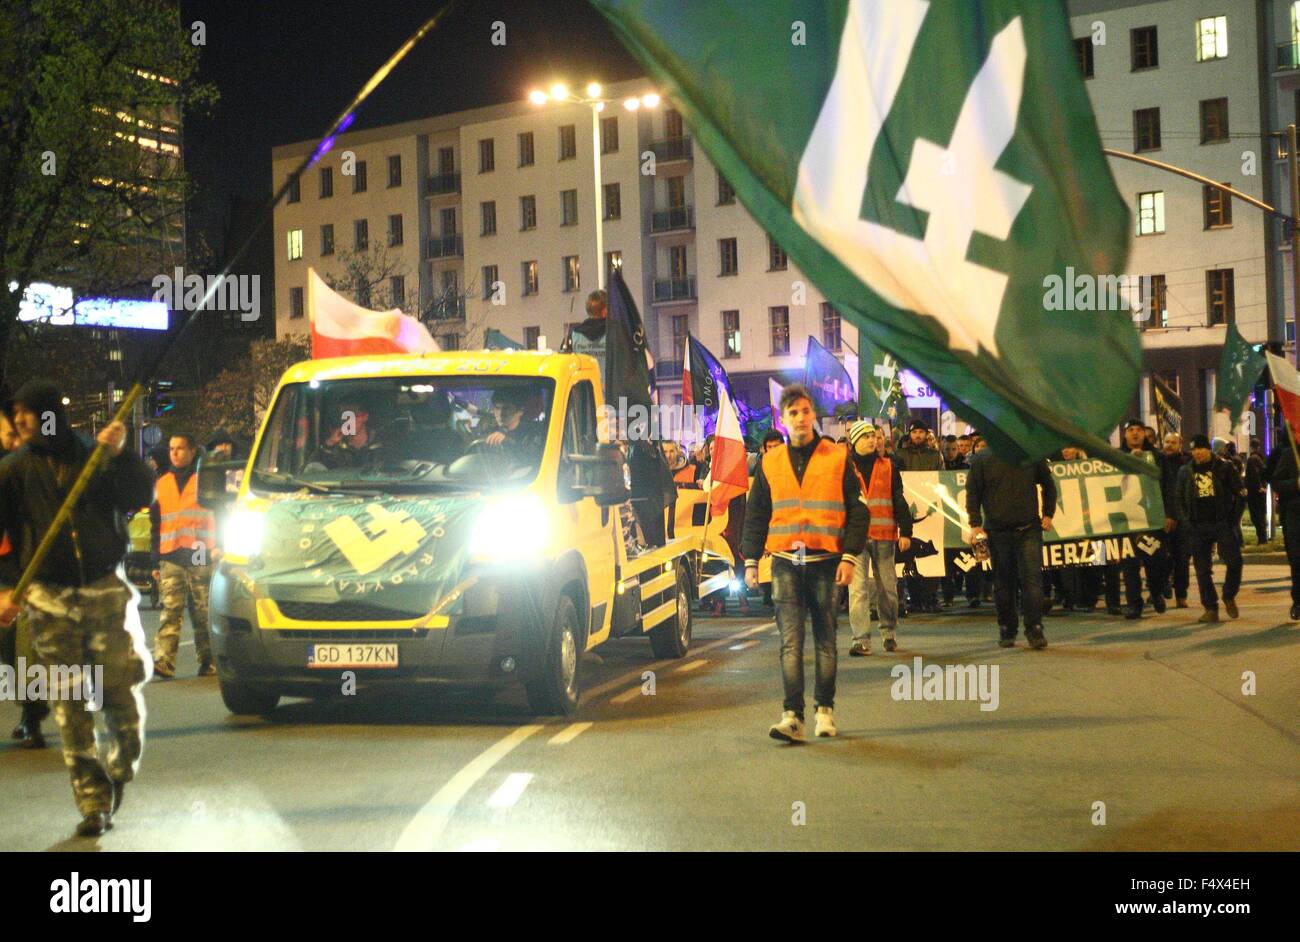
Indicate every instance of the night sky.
{"type": "Point", "coordinates": [286, 68]}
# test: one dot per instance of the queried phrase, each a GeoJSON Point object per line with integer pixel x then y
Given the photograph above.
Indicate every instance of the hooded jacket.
{"type": "Point", "coordinates": [33, 482]}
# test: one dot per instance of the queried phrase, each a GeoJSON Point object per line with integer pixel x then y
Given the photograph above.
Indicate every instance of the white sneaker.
{"type": "Point", "coordinates": [790, 728]}
{"type": "Point", "coordinates": [826, 722]}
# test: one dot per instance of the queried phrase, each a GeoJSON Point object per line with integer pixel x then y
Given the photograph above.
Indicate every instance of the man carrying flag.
{"type": "Point", "coordinates": [1284, 470]}
{"type": "Point", "coordinates": [804, 509]}
{"type": "Point", "coordinates": [728, 482]}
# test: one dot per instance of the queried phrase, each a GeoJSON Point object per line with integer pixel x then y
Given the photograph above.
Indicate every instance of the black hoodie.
{"type": "Point", "coordinates": [33, 481]}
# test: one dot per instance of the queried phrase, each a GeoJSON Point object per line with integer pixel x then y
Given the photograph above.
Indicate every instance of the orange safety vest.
{"type": "Point", "coordinates": [685, 475]}
{"type": "Point", "coordinates": [810, 513]}
{"type": "Point", "coordinates": [183, 524]}
{"type": "Point", "coordinates": [880, 502]}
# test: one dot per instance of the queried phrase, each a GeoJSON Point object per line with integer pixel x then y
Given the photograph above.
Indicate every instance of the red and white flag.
{"type": "Point", "coordinates": [1286, 386]}
{"type": "Point", "coordinates": [728, 467]}
{"type": "Point", "coordinates": [340, 328]}
{"type": "Point", "coordinates": [774, 397]}
{"type": "Point", "coordinates": [688, 388]}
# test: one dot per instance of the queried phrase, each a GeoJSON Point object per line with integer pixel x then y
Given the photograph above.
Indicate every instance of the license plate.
{"type": "Point", "coordinates": [333, 656]}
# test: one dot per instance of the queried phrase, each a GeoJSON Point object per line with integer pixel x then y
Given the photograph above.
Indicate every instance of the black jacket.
{"type": "Point", "coordinates": [902, 512]}
{"type": "Point", "coordinates": [33, 483]}
{"type": "Point", "coordinates": [1283, 475]}
{"type": "Point", "coordinates": [758, 509]}
{"type": "Point", "coordinates": [910, 458]}
{"type": "Point", "coordinates": [1228, 490]}
{"type": "Point", "coordinates": [1168, 477]}
{"type": "Point", "coordinates": [1004, 496]}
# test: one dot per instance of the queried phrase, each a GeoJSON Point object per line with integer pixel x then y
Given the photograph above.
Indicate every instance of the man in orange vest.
{"type": "Point", "coordinates": [184, 548]}
{"type": "Point", "coordinates": [804, 509]}
{"type": "Point", "coordinates": [889, 525]}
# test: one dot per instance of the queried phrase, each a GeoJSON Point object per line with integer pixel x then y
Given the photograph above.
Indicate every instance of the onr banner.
{"type": "Point", "coordinates": [1100, 510]}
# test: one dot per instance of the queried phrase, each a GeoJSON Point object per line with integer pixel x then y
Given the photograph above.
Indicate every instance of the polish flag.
{"type": "Point", "coordinates": [728, 468]}
{"type": "Point", "coordinates": [774, 396]}
{"type": "Point", "coordinates": [688, 390]}
{"type": "Point", "coordinates": [1286, 386]}
{"type": "Point", "coordinates": [340, 328]}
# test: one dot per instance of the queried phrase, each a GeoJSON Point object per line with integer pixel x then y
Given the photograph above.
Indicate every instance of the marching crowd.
{"type": "Point", "coordinates": [830, 514]}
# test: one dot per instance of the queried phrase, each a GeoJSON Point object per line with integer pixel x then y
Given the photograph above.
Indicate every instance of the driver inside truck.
{"type": "Point", "coordinates": [521, 438]}
{"type": "Point", "coordinates": [357, 440]}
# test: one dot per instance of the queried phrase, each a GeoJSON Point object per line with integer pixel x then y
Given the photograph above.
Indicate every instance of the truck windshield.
{"type": "Point", "coordinates": [397, 433]}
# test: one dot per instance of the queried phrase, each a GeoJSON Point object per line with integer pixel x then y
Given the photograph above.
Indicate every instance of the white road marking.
{"type": "Point", "coordinates": [431, 820]}
{"type": "Point", "coordinates": [510, 790]}
{"type": "Point", "coordinates": [743, 645]}
{"type": "Point", "coordinates": [624, 697]}
{"type": "Point", "coordinates": [691, 665]}
{"type": "Point", "coordinates": [619, 682]}
{"type": "Point", "coordinates": [569, 734]}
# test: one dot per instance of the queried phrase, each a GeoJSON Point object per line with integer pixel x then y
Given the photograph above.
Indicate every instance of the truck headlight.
{"type": "Point", "coordinates": [510, 529]}
{"type": "Point", "coordinates": [243, 536]}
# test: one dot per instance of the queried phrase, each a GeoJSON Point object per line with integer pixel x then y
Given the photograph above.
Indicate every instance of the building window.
{"type": "Point", "coordinates": [572, 276]}
{"type": "Point", "coordinates": [609, 135]}
{"type": "Point", "coordinates": [1143, 48]}
{"type": "Point", "coordinates": [1214, 120]}
{"type": "Point", "coordinates": [1151, 213]}
{"type": "Point", "coordinates": [359, 178]}
{"type": "Point", "coordinates": [488, 214]}
{"type": "Point", "coordinates": [568, 207]}
{"type": "Point", "coordinates": [490, 278]}
{"type": "Point", "coordinates": [613, 262]}
{"type": "Point", "coordinates": [726, 195]}
{"type": "Point", "coordinates": [612, 198]}
{"type": "Point", "coordinates": [395, 230]}
{"type": "Point", "coordinates": [776, 257]}
{"type": "Point", "coordinates": [730, 334]}
{"type": "Point", "coordinates": [449, 342]}
{"type": "Point", "coordinates": [530, 277]}
{"type": "Point", "coordinates": [327, 239]}
{"type": "Point", "coordinates": [681, 331]}
{"type": "Point", "coordinates": [487, 155]}
{"type": "Point", "coordinates": [568, 142]}
{"type": "Point", "coordinates": [1218, 207]}
{"type": "Point", "coordinates": [673, 127]}
{"type": "Point", "coordinates": [1219, 300]}
{"type": "Point", "coordinates": [361, 235]}
{"type": "Point", "coordinates": [677, 269]}
{"type": "Point", "coordinates": [779, 318]}
{"type": "Point", "coordinates": [527, 213]}
{"type": "Point", "coordinates": [447, 218]}
{"type": "Point", "coordinates": [729, 259]}
{"type": "Point", "coordinates": [676, 192]}
{"type": "Point", "coordinates": [446, 160]}
{"type": "Point", "coordinates": [1155, 309]}
{"type": "Point", "coordinates": [1083, 52]}
{"type": "Point", "coordinates": [295, 244]}
{"type": "Point", "coordinates": [395, 170]}
{"type": "Point", "coordinates": [326, 182]}
{"type": "Point", "coordinates": [397, 290]}
{"type": "Point", "coordinates": [831, 328]}
{"type": "Point", "coordinates": [1146, 129]}
{"type": "Point", "coordinates": [1211, 38]}
{"type": "Point", "coordinates": [526, 149]}
{"type": "Point", "coordinates": [295, 303]}
{"type": "Point", "coordinates": [363, 294]}
{"type": "Point", "coordinates": [532, 335]}
{"type": "Point", "coordinates": [295, 191]}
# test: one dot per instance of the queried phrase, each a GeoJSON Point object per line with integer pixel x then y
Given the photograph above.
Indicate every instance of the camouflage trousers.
{"type": "Point", "coordinates": [182, 587]}
{"type": "Point", "coordinates": [97, 625]}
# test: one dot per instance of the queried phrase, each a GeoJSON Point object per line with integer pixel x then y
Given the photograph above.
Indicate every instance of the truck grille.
{"type": "Point", "coordinates": [342, 611]}
{"type": "Point", "coordinates": [353, 634]}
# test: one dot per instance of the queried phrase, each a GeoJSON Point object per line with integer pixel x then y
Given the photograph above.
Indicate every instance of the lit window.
{"type": "Point", "coordinates": [1211, 38]}
{"type": "Point", "coordinates": [295, 244]}
{"type": "Point", "coordinates": [1151, 213]}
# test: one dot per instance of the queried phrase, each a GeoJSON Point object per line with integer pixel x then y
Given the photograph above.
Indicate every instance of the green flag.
{"type": "Point", "coordinates": [494, 339]}
{"type": "Point", "coordinates": [1239, 370]}
{"type": "Point", "coordinates": [938, 175]}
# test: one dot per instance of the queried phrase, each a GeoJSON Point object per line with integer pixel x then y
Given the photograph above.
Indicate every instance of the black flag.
{"type": "Point", "coordinates": [627, 359]}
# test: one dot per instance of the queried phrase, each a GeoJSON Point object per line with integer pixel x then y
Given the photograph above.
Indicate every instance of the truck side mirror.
{"type": "Point", "coordinates": [601, 476]}
{"type": "Point", "coordinates": [213, 493]}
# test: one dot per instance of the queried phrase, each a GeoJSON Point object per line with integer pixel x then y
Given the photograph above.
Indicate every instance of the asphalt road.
{"type": "Point", "coordinates": [1147, 718]}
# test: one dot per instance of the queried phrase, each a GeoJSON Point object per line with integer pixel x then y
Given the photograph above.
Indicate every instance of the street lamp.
{"type": "Point", "coordinates": [560, 94]}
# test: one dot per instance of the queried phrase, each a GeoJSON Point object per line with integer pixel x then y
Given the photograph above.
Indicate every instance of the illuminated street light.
{"type": "Point", "coordinates": [560, 93]}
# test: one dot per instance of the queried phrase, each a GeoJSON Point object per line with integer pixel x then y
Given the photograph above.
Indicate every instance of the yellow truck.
{"type": "Point", "coordinates": [447, 518]}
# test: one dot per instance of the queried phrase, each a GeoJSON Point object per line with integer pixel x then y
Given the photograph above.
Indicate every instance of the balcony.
{"type": "Point", "coordinates": [446, 309]}
{"type": "Point", "coordinates": [672, 148]}
{"type": "Point", "coordinates": [668, 370]}
{"type": "Point", "coordinates": [442, 183]}
{"type": "Point", "coordinates": [451, 246]}
{"type": "Point", "coordinates": [674, 289]}
{"type": "Point", "coordinates": [673, 219]}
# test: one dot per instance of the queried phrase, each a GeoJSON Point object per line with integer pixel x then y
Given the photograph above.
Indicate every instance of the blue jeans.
{"type": "Point", "coordinates": [1017, 557]}
{"type": "Point", "coordinates": [800, 592]}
